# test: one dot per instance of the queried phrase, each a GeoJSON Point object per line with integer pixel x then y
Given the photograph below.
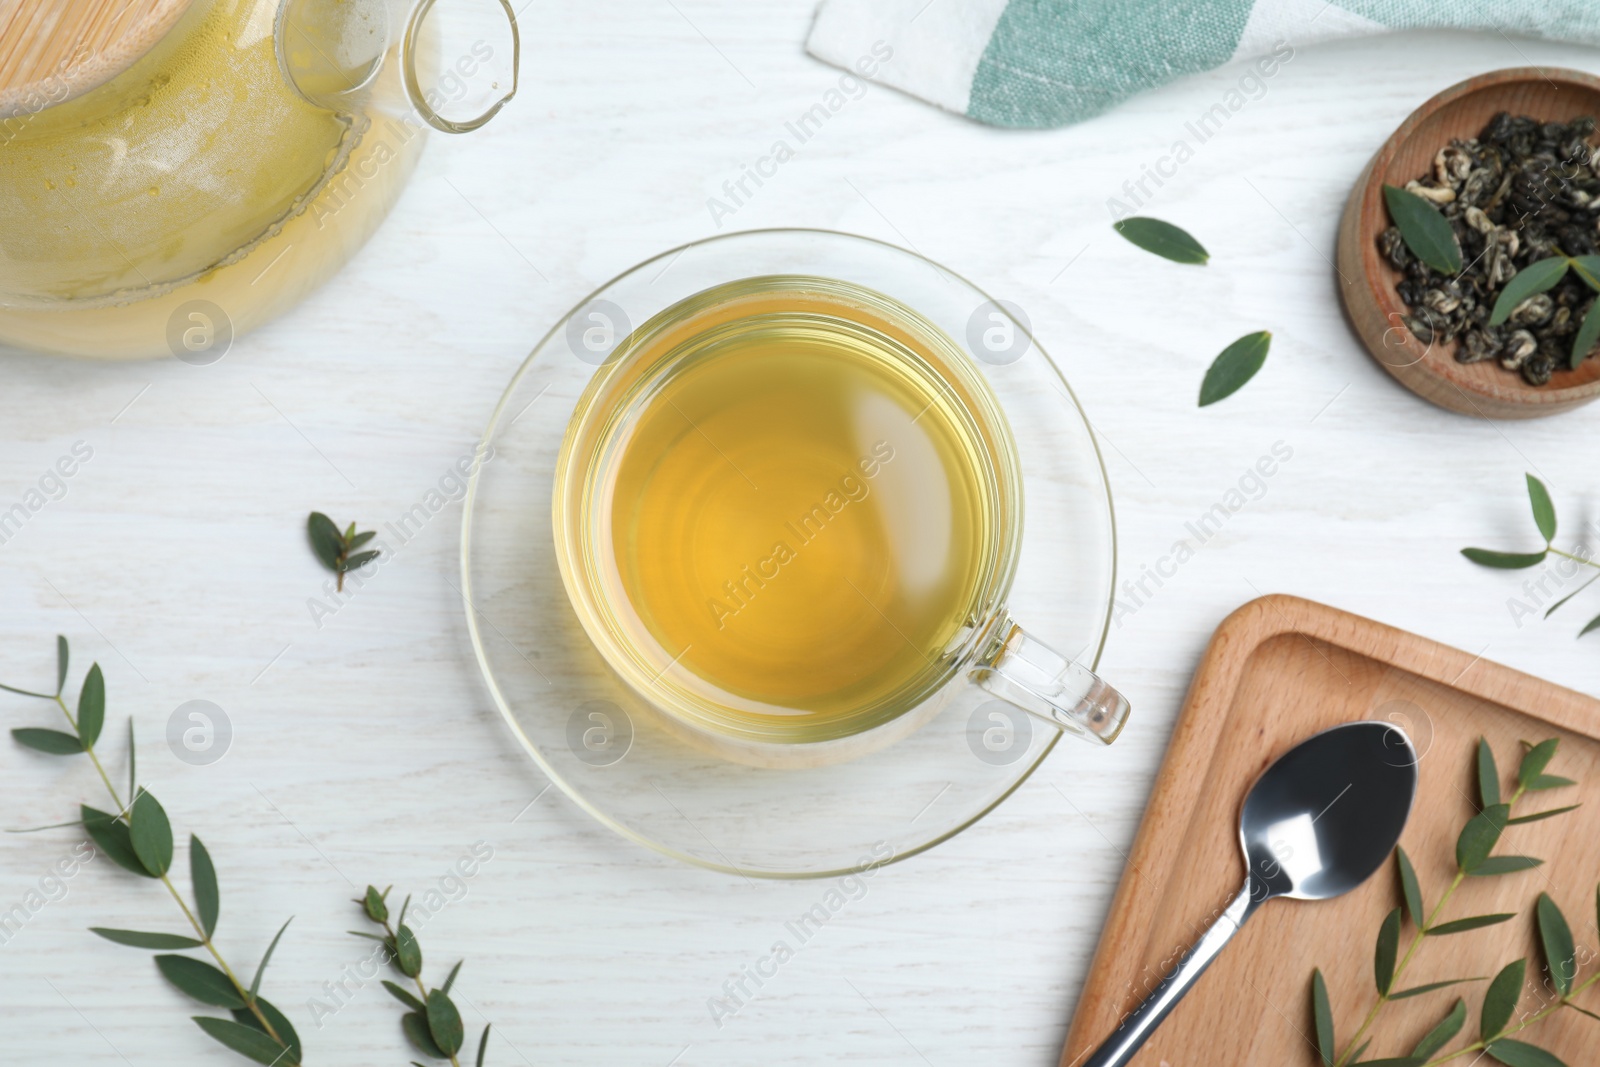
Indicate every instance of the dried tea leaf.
{"type": "Point", "coordinates": [245, 1040]}
{"type": "Point", "coordinates": [1535, 278]}
{"type": "Point", "coordinates": [1500, 1000]}
{"type": "Point", "coordinates": [111, 837]}
{"type": "Point", "coordinates": [53, 742]}
{"type": "Point", "coordinates": [139, 939]}
{"type": "Point", "coordinates": [203, 875]}
{"type": "Point", "coordinates": [1235, 366]}
{"type": "Point", "coordinates": [1410, 889]}
{"type": "Point", "coordinates": [1163, 239]}
{"type": "Point", "coordinates": [1555, 937]}
{"type": "Point", "coordinates": [151, 834]}
{"type": "Point", "coordinates": [1386, 952]}
{"type": "Point", "coordinates": [92, 706]}
{"type": "Point", "coordinates": [1504, 865]}
{"type": "Point", "coordinates": [1476, 922]}
{"type": "Point", "coordinates": [1520, 1054]}
{"type": "Point", "coordinates": [1322, 1016]}
{"type": "Point", "coordinates": [1544, 510]}
{"type": "Point", "coordinates": [1440, 1035]}
{"type": "Point", "coordinates": [444, 1022]}
{"type": "Point", "coordinates": [1506, 561]}
{"type": "Point", "coordinates": [200, 980]}
{"type": "Point", "coordinates": [1425, 230]}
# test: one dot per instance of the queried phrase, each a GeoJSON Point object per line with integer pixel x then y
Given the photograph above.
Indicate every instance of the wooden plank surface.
{"type": "Point", "coordinates": [1278, 670]}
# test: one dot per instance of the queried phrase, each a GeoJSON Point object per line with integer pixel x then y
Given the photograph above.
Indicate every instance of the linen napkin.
{"type": "Point", "coordinates": [1054, 62]}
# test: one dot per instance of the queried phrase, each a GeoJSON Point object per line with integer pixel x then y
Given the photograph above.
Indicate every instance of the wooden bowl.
{"type": "Point", "coordinates": [1367, 281]}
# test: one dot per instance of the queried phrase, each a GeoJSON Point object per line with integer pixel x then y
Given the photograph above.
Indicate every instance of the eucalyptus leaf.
{"type": "Point", "coordinates": [1322, 1016]}
{"type": "Point", "coordinates": [415, 1025]}
{"type": "Point", "coordinates": [133, 762]}
{"type": "Point", "coordinates": [1544, 510]}
{"type": "Point", "coordinates": [444, 1022]}
{"type": "Point", "coordinates": [1409, 888]}
{"type": "Point", "coordinates": [1476, 922]}
{"type": "Point", "coordinates": [1504, 865]}
{"type": "Point", "coordinates": [52, 742]}
{"type": "Point", "coordinates": [1235, 366]}
{"type": "Point", "coordinates": [483, 1043]}
{"type": "Point", "coordinates": [326, 540]}
{"type": "Point", "coordinates": [1592, 624]}
{"type": "Point", "coordinates": [26, 692]}
{"type": "Point", "coordinates": [1542, 782]}
{"type": "Point", "coordinates": [139, 939]}
{"type": "Point", "coordinates": [359, 560]}
{"type": "Point", "coordinates": [110, 835]}
{"type": "Point", "coordinates": [1386, 952]}
{"type": "Point", "coordinates": [450, 981]}
{"type": "Point", "coordinates": [248, 1041]}
{"type": "Point", "coordinates": [1440, 1035]}
{"type": "Point", "coordinates": [1163, 239]}
{"type": "Point", "coordinates": [1424, 229]}
{"type": "Point", "coordinates": [1356, 1055]}
{"type": "Point", "coordinates": [203, 876]}
{"type": "Point", "coordinates": [92, 706]}
{"type": "Point", "coordinates": [1537, 277]}
{"type": "Point", "coordinates": [1488, 776]}
{"type": "Point", "coordinates": [1541, 815]}
{"type": "Point", "coordinates": [373, 903]}
{"type": "Point", "coordinates": [1551, 610]}
{"type": "Point", "coordinates": [408, 954]}
{"type": "Point", "coordinates": [62, 656]}
{"type": "Point", "coordinates": [1536, 759]}
{"type": "Point", "coordinates": [1500, 1000]}
{"type": "Point", "coordinates": [280, 1025]}
{"type": "Point", "coordinates": [1417, 991]}
{"type": "Point", "coordinates": [1505, 561]}
{"type": "Point", "coordinates": [151, 834]}
{"type": "Point", "coordinates": [1588, 269]}
{"type": "Point", "coordinates": [200, 980]}
{"type": "Point", "coordinates": [261, 968]}
{"type": "Point", "coordinates": [1480, 835]}
{"type": "Point", "coordinates": [1583, 341]}
{"type": "Point", "coordinates": [361, 538]}
{"type": "Point", "coordinates": [1521, 1054]}
{"type": "Point", "coordinates": [404, 996]}
{"type": "Point", "coordinates": [1393, 1061]}
{"type": "Point", "coordinates": [1555, 938]}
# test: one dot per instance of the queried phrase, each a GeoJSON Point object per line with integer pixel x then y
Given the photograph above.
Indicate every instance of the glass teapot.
{"type": "Point", "coordinates": [175, 172]}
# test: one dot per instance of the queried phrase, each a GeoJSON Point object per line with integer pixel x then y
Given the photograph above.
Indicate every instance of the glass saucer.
{"type": "Point", "coordinates": [607, 750]}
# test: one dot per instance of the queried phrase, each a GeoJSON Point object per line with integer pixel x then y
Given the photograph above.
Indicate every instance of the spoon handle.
{"type": "Point", "coordinates": [1140, 1023]}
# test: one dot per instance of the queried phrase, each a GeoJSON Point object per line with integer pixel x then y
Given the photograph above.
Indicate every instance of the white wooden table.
{"type": "Point", "coordinates": [367, 750]}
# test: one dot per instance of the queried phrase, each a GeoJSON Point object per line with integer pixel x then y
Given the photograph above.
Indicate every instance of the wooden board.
{"type": "Point", "coordinates": [53, 50]}
{"type": "Point", "coordinates": [1277, 670]}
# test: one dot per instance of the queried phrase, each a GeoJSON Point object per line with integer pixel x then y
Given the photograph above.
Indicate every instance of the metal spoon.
{"type": "Point", "coordinates": [1316, 824]}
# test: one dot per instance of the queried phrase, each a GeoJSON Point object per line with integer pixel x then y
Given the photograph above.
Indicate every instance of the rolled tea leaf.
{"type": "Point", "coordinates": [247, 1041]}
{"type": "Point", "coordinates": [151, 834]}
{"type": "Point", "coordinates": [91, 706]}
{"type": "Point", "coordinates": [1480, 835]}
{"type": "Point", "coordinates": [1163, 239]}
{"type": "Point", "coordinates": [1506, 561]}
{"type": "Point", "coordinates": [326, 541]}
{"type": "Point", "coordinates": [1555, 937]}
{"type": "Point", "coordinates": [200, 980]}
{"type": "Point", "coordinates": [1417, 991]}
{"type": "Point", "coordinates": [203, 876]}
{"type": "Point", "coordinates": [1535, 278]}
{"type": "Point", "coordinates": [1475, 922]}
{"type": "Point", "coordinates": [1441, 1034]}
{"type": "Point", "coordinates": [1536, 759]}
{"type": "Point", "coordinates": [111, 837]}
{"type": "Point", "coordinates": [1544, 510]}
{"type": "Point", "coordinates": [1386, 952]}
{"type": "Point", "coordinates": [1410, 889]}
{"type": "Point", "coordinates": [53, 742]}
{"type": "Point", "coordinates": [1583, 341]}
{"type": "Point", "coordinates": [1424, 229]}
{"type": "Point", "coordinates": [280, 1025]}
{"type": "Point", "coordinates": [1322, 1016]}
{"type": "Point", "coordinates": [1488, 776]}
{"type": "Point", "coordinates": [1500, 1000]}
{"type": "Point", "coordinates": [1521, 1054]}
{"type": "Point", "coordinates": [139, 939]}
{"type": "Point", "coordinates": [1235, 366]}
{"type": "Point", "coordinates": [444, 1022]}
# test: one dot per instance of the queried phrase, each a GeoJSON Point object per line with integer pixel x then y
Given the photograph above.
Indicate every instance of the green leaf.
{"type": "Point", "coordinates": [1505, 561]}
{"type": "Point", "coordinates": [200, 980]}
{"type": "Point", "coordinates": [92, 706]}
{"type": "Point", "coordinates": [326, 541]}
{"type": "Point", "coordinates": [1520, 1054]}
{"type": "Point", "coordinates": [54, 742]}
{"type": "Point", "coordinates": [1480, 835]}
{"type": "Point", "coordinates": [1409, 888]}
{"type": "Point", "coordinates": [1322, 1015]}
{"type": "Point", "coordinates": [247, 1041]}
{"type": "Point", "coordinates": [1417, 991]}
{"type": "Point", "coordinates": [1476, 922]}
{"type": "Point", "coordinates": [403, 996]}
{"type": "Point", "coordinates": [415, 1024]}
{"type": "Point", "coordinates": [1534, 278]}
{"type": "Point", "coordinates": [1592, 624]}
{"type": "Point", "coordinates": [1552, 608]}
{"type": "Point", "coordinates": [1386, 952]}
{"type": "Point", "coordinates": [1163, 239]}
{"type": "Point", "coordinates": [1425, 231]}
{"type": "Point", "coordinates": [203, 876]}
{"type": "Point", "coordinates": [1504, 865]}
{"type": "Point", "coordinates": [444, 1022]}
{"type": "Point", "coordinates": [1394, 1061]}
{"type": "Point", "coordinates": [1440, 1035]}
{"type": "Point", "coordinates": [1488, 776]}
{"type": "Point", "coordinates": [1588, 269]}
{"type": "Point", "coordinates": [133, 760]}
{"type": "Point", "coordinates": [359, 560]}
{"type": "Point", "coordinates": [136, 939]}
{"type": "Point", "coordinates": [450, 981]}
{"type": "Point", "coordinates": [1555, 937]}
{"type": "Point", "coordinates": [62, 655]}
{"type": "Point", "coordinates": [376, 909]}
{"type": "Point", "coordinates": [483, 1043]}
{"type": "Point", "coordinates": [280, 1025]}
{"type": "Point", "coordinates": [1356, 1055]}
{"type": "Point", "coordinates": [26, 692]}
{"type": "Point", "coordinates": [110, 836]}
{"type": "Point", "coordinates": [152, 834]}
{"type": "Point", "coordinates": [1542, 782]}
{"type": "Point", "coordinates": [408, 954]}
{"type": "Point", "coordinates": [361, 538]}
{"type": "Point", "coordinates": [1539, 815]}
{"type": "Point", "coordinates": [1544, 511]}
{"type": "Point", "coordinates": [1584, 340]}
{"type": "Point", "coordinates": [261, 968]}
{"type": "Point", "coordinates": [1536, 759]}
{"type": "Point", "coordinates": [1235, 366]}
{"type": "Point", "coordinates": [1500, 1001]}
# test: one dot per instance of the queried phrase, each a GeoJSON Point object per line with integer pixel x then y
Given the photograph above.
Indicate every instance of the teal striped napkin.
{"type": "Point", "coordinates": [1053, 62]}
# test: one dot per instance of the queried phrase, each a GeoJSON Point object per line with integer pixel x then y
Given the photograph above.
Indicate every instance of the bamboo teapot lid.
{"type": "Point", "coordinates": [54, 50]}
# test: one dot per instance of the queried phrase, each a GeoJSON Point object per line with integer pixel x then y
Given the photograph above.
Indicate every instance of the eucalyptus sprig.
{"type": "Point", "coordinates": [337, 549]}
{"type": "Point", "coordinates": [1544, 519]}
{"type": "Point", "coordinates": [432, 1024]}
{"type": "Point", "coordinates": [137, 836]}
{"type": "Point", "coordinates": [1475, 858]}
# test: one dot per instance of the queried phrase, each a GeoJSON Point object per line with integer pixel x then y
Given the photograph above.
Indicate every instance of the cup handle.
{"type": "Point", "coordinates": [419, 99]}
{"type": "Point", "coordinates": [1024, 671]}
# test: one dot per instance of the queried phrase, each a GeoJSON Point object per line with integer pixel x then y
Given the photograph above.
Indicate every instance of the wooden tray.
{"type": "Point", "coordinates": [1276, 671]}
